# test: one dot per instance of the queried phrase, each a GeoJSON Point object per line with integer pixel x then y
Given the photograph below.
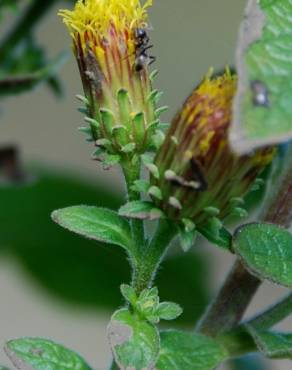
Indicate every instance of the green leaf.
{"type": "Point", "coordinates": [186, 351]}
{"type": "Point", "coordinates": [134, 342]}
{"type": "Point", "coordinates": [266, 251]}
{"type": "Point", "coordinates": [273, 344]}
{"type": "Point", "coordinates": [129, 294]}
{"type": "Point", "coordinates": [262, 108]}
{"type": "Point", "coordinates": [141, 210]}
{"type": "Point", "coordinates": [99, 224]}
{"type": "Point", "coordinates": [168, 311]}
{"type": "Point", "coordinates": [43, 354]}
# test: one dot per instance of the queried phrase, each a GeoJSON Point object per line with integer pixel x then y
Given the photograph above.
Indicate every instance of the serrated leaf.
{"type": "Point", "coordinates": [169, 311]}
{"type": "Point", "coordinates": [186, 351]}
{"type": "Point", "coordinates": [140, 210]}
{"type": "Point", "coordinates": [134, 342]}
{"type": "Point", "coordinates": [266, 251]}
{"type": "Point", "coordinates": [43, 354]}
{"type": "Point", "coordinates": [273, 344]}
{"type": "Point", "coordinates": [262, 109]}
{"type": "Point", "coordinates": [95, 223]}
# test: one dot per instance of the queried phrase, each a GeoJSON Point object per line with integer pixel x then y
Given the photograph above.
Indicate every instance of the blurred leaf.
{"type": "Point", "coordinates": [273, 344]}
{"type": "Point", "coordinates": [265, 249]}
{"type": "Point", "coordinates": [250, 362]}
{"type": "Point", "coordinates": [15, 84]}
{"type": "Point", "coordinates": [95, 223]}
{"type": "Point", "coordinates": [262, 110]}
{"type": "Point", "coordinates": [43, 354]}
{"type": "Point", "coordinates": [186, 351]}
{"type": "Point", "coordinates": [134, 342]}
{"type": "Point", "coordinates": [84, 272]}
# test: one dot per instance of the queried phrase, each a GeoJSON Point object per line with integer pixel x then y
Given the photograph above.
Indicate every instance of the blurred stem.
{"type": "Point", "coordinates": [23, 26]}
{"type": "Point", "coordinates": [273, 315]}
{"type": "Point", "coordinates": [231, 302]}
{"type": "Point", "coordinates": [238, 342]}
{"type": "Point", "coordinates": [132, 173]}
{"type": "Point", "coordinates": [229, 306]}
{"type": "Point", "coordinates": [147, 265]}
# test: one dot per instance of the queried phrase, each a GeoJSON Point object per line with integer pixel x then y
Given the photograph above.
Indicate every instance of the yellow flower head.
{"type": "Point", "coordinates": [111, 45]}
{"type": "Point", "coordinates": [94, 19]}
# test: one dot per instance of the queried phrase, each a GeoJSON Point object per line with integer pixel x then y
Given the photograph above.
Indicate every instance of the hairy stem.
{"type": "Point", "coordinates": [23, 27]}
{"type": "Point", "coordinates": [131, 174]}
{"type": "Point", "coordinates": [229, 306]}
{"type": "Point", "coordinates": [273, 315]}
{"type": "Point", "coordinates": [146, 267]}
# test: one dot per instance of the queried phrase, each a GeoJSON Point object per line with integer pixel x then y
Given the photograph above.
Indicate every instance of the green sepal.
{"type": "Point", "coordinates": [85, 130]}
{"type": "Point", "coordinates": [157, 139]}
{"type": "Point", "coordinates": [175, 203]}
{"type": "Point", "coordinates": [212, 211]}
{"type": "Point", "coordinates": [141, 210]}
{"type": "Point", "coordinates": [155, 192]}
{"type": "Point", "coordinates": [128, 148]}
{"type": "Point", "coordinates": [153, 75]}
{"type": "Point", "coordinates": [141, 186]}
{"type": "Point", "coordinates": [83, 110]}
{"type": "Point", "coordinates": [161, 110]}
{"type": "Point", "coordinates": [218, 236]}
{"type": "Point", "coordinates": [187, 238]}
{"type": "Point", "coordinates": [110, 160]}
{"type": "Point", "coordinates": [124, 107]}
{"type": "Point", "coordinates": [82, 99]}
{"type": "Point", "coordinates": [139, 128]}
{"type": "Point", "coordinates": [108, 119]}
{"type": "Point", "coordinates": [121, 136]}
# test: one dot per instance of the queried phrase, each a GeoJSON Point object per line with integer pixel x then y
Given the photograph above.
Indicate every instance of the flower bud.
{"type": "Point", "coordinates": [111, 45]}
{"type": "Point", "coordinates": [200, 178]}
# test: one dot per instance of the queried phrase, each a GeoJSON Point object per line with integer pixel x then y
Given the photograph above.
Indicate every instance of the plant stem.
{"type": "Point", "coordinates": [273, 315]}
{"type": "Point", "coordinates": [146, 267]}
{"type": "Point", "coordinates": [238, 342]}
{"type": "Point", "coordinates": [238, 290]}
{"type": "Point", "coordinates": [23, 27]}
{"type": "Point", "coordinates": [230, 304]}
{"type": "Point", "coordinates": [131, 174]}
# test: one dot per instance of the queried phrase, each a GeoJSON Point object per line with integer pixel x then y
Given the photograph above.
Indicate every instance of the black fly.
{"type": "Point", "coordinates": [260, 94]}
{"type": "Point", "coordinates": [142, 45]}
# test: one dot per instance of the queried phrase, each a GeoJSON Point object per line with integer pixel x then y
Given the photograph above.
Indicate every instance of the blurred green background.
{"type": "Point", "coordinates": [57, 285]}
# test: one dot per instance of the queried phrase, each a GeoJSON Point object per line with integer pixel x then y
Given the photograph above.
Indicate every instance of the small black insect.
{"type": "Point", "coordinates": [142, 45]}
{"type": "Point", "coordinates": [260, 93]}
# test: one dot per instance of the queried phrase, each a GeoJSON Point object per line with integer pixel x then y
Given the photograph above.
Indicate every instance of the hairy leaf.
{"type": "Point", "coordinates": [266, 251]}
{"type": "Point", "coordinates": [186, 351]}
{"type": "Point", "coordinates": [100, 224]}
{"type": "Point", "coordinates": [134, 342]}
{"type": "Point", "coordinates": [273, 344]}
{"type": "Point", "coordinates": [43, 354]}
